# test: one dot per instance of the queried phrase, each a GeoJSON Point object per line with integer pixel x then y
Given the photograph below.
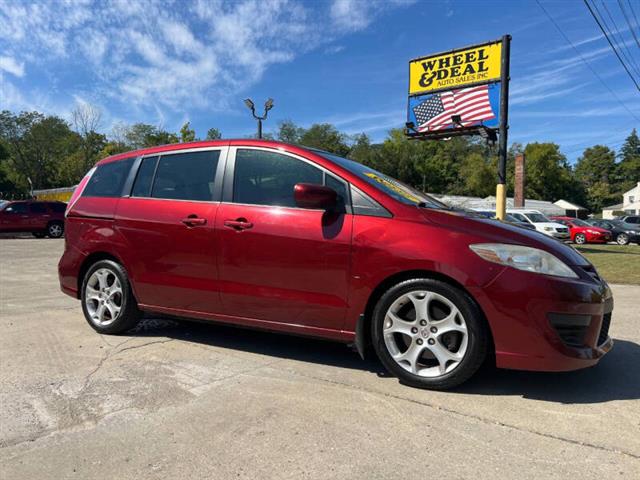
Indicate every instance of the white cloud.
{"type": "Point", "coordinates": [10, 65]}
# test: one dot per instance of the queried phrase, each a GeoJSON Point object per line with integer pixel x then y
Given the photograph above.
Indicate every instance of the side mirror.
{"type": "Point", "coordinates": [310, 195]}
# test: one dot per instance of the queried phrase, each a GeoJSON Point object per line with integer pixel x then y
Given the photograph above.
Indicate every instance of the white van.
{"type": "Point", "coordinates": [541, 223]}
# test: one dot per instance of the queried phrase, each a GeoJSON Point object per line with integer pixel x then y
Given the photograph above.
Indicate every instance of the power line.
{"type": "Point", "coordinates": [604, 84]}
{"type": "Point", "coordinates": [619, 40]}
{"type": "Point", "coordinates": [611, 44]}
{"type": "Point", "coordinates": [624, 12]}
{"type": "Point", "coordinates": [633, 13]}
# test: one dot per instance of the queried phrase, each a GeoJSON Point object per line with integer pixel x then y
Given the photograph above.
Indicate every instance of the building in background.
{"type": "Point", "coordinates": [630, 204]}
{"type": "Point", "coordinates": [55, 194]}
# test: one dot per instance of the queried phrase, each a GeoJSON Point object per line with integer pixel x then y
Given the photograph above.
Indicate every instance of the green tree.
{"type": "Point", "coordinates": [289, 132]}
{"type": "Point", "coordinates": [478, 176]}
{"type": "Point", "coordinates": [187, 134]}
{"type": "Point", "coordinates": [628, 170]}
{"type": "Point", "coordinates": [548, 174]}
{"type": "Point", "coordinates": [214, 134]}
{"type": "Point", "coordinates": [142, 135]}
{"type": "Point", "coordinates": [594, 170]}
{"type": "Point", "coordinates": [325, 136]}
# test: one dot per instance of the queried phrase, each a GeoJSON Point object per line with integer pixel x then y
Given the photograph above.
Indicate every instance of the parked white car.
{"type": "Point", "coordinates": [542, 223]}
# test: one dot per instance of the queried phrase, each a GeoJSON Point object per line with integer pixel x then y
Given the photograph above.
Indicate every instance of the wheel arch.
{"type": "Point", "coordinates": [90, 260]}
{"type": "Point", "coordinates": [363, 340]}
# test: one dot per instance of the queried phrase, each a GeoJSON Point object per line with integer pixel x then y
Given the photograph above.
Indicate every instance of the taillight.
{"type": "Point", "coordinates": [78, 191]}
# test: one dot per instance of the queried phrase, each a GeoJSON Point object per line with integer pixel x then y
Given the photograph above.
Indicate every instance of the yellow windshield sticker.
{"type": "Point", "coordinates": [392, 186]}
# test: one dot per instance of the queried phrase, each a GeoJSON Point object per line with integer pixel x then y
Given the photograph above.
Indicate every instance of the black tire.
{"type": "Point", "coordinates": [39, 234]}
{"type": "Point", "coordinates": [129, 314]}
{"type": "Point", "coordinates": [55, 229]}
{"type": "Point", "coordinates": [580, 238]}
{"type": "Point", "coordinates": [477, 331]}
{"type": "Point", "coordinates": [622, 239]}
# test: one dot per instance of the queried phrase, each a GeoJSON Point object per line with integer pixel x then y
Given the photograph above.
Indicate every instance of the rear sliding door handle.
{"type": "Point", "coordinates": [193, 221]}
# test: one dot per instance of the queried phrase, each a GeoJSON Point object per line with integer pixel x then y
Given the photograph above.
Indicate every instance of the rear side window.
{"type": "Point", "coordinates": [58, 207]}
{"type": "Point", "coordinates": [186, 176]}
{"type": "Point", "coordinates": [17, 208]}
{"type": "Point", "coordinates": [144, 178]}
{"type": "Point", "coordinates": [38, 208]}
{"type": "Point", "coordinates": [108, 179]}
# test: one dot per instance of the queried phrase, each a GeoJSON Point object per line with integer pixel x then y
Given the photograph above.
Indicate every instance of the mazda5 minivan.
{"type": "Point", "coordinates": [285, 238]}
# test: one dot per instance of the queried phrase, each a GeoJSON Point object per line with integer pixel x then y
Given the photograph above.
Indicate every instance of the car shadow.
{"type": "Point", "coordinates": [616, 377]}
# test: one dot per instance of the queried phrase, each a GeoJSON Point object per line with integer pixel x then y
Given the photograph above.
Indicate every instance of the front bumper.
{"type": "Point", "coordinates": [560, 235]}
{"type": "Point", "coordinates": [521, 308]}
{"type": "Point", "coordinates": [598, 237]}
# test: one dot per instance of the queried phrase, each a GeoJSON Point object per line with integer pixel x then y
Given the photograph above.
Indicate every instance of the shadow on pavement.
{"type": "Point", "coordinates": [616, 377]}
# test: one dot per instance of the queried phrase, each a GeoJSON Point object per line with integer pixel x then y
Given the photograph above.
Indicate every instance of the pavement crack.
{"type": "Point", "coordinates": [471, 416]}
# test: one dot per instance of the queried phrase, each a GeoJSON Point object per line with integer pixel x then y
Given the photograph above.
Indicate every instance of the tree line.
{"type": "Point", "coordinates": [46, 151]}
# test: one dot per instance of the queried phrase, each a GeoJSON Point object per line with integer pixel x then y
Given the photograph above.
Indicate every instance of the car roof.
{"type": "Point", "coordinates": [522, 210]}
{"type": "Point", "coordinates": [248, 142]}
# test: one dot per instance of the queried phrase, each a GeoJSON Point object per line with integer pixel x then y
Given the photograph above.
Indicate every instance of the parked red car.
{"type": "Point", "coordinates": [581, 232]}
{"type": "Point", "coordinates": [285, 238]}
{"type": "Point", "coordinates": [39, 218]}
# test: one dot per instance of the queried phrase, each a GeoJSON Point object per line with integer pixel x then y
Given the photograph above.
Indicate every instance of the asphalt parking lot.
{"type": "Point", "coordinates": [183, 400]}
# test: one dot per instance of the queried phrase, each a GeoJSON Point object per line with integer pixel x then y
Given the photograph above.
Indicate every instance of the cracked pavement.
{"type": "Point", "coordinates": [192, 400]}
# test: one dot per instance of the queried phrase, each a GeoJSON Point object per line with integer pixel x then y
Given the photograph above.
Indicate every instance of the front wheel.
{"type": "Point", "coordinates": [108, 303]}
{"type": "Point", "coordinates": [622, 239]}
{"type": "Point", "coordinates": [429, 334]}
{"type": "Point", "coordinates": [580, 239]}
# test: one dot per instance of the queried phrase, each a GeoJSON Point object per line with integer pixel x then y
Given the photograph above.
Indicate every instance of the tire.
{"type": "Point", "coordinates": [55, 229]}
{"type": "Point", "coordinates": [622, 239]}
{"type": "Point", "coordinates": [580, 238]}
{"type": "Point", "coordinates": [39, 234]}
{"type": "Point", "coordinates": [108, 303]}
{"type": "Point", "coordinates": [397, 333]}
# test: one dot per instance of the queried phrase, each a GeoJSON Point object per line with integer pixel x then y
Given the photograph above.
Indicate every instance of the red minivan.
{"type": "Point", "coordinates": [32, 216]}
{"type": "Point", "coordinates": [286, 238]}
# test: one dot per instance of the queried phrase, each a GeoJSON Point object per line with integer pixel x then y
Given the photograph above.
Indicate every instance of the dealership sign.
{"type": "Point", "coordinates": [456, 89]}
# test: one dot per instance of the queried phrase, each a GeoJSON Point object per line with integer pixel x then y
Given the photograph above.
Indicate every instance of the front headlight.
{"type": "Point", "coordinates": [523, 258]}
{"type": "Point", "coordinates": [548, 229]}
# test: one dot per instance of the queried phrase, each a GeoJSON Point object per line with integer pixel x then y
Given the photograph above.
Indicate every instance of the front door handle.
{"type": "Point", "coordinates": [238, 224]}
{"type": "Point", "coordinates": [194, 220]}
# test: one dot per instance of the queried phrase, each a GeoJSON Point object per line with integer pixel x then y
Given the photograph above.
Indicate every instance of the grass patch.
{"type": "Point", "coordinates": [616, 263]}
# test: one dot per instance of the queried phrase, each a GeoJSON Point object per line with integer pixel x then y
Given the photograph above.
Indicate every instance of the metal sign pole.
{"type": "Point", "coordinates": [501, 189]}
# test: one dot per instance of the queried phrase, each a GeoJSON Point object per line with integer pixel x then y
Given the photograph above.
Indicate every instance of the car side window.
{"type": "Point", "coordinates": [58, 207]}
{"type": "Point", "coordinates": [268, 178]}
{"type": "Point", "coordinates": [520, 217]}
{"type": "Point", "coordinates": [186, 176]}
{"type": "Point", "coordinates": [108, 179]}
{"type": "Point", "coordinates": [37, 208]}
{"type": "Point", "coordinates": [17, 208]}
{"type": "Point", "coordinates": [144, 177]}
{"type": "Point", "coordinates": [633, 220]}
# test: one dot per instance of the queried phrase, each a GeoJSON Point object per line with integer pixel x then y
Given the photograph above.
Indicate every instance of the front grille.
{"type": "Point", "coordinates": [604, 329]}
{"type": "Point", "coordinates": [562, 230]}
{"type": "Point", "coordinates": [571, 328]}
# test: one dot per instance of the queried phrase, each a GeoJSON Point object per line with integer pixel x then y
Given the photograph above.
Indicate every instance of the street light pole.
{"type": "Point", "coordinates": [268, 105]}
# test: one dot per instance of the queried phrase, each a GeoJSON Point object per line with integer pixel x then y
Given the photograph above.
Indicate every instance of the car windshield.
{"type": "Point", "coordinates": [537, 217]}
{"type": "Point", "coordinates": [388, 185]}
{"type": "Point", "coordinates": [580, 223]}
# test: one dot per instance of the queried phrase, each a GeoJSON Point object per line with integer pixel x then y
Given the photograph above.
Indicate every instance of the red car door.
{"type": "Point", "coordinates": [277, 262]}
{"type": "Point", "coordinates": [168, 225]}
{"type": "Point", "coordinates": [15, 217]}
{"type": "Point", "coordinates": [39, 216]}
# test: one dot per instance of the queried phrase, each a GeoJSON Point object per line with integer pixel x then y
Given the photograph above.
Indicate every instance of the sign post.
{"type": "Point", "coordinates": [463, 92]}
{"type": "Point", "coordinates": [501, 188]}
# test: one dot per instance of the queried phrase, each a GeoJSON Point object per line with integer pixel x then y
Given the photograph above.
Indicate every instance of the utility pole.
{"type": "Point", "coordinates": [268, 105]}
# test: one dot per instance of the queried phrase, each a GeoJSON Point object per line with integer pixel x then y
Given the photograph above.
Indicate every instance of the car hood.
{"type": "Point", "coordinates": [550, 224]}
{"type": "Point", "coordinates": [484, 230]}
{"type": "Point", "coordinates": [596, 229]}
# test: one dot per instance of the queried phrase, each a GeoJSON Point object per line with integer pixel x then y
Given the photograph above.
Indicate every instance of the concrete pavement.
{"type": "Point", "coordinates": [183, 400]}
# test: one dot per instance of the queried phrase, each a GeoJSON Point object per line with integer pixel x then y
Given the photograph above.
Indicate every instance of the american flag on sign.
{"type": "Point", "coordinates": [472, 104]}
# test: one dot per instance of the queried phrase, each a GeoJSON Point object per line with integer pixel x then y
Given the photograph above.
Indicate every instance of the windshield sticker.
{"type": "Point", "coordinates": [391, 186]}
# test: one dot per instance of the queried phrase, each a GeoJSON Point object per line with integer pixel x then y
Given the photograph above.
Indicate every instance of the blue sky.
{"type": "Point", "coordinates": [338, 61]}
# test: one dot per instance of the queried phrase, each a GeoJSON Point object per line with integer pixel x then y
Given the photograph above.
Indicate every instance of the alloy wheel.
{"type": "Point", "coordinates": [103, 297]}
{"type": "Point", "coordinates": [55, 230]}
{"type": "Point", "coordinates": [580, 239]}
{"type": "Point", "coordinates": [622, 239]}
{"type": "Point", "coordinates": [425, 333]}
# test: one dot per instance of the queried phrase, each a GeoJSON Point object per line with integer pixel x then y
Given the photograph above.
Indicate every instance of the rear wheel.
{"type": "Point", "coordinates": [580, 238]}
{"type": "Point", "coordinates": [55, 229]}
{"type": "Point", "coordinates": [429, 334]}
{"type": "Point", "coordinates": [622, 239]}
{"type": "Point", "coordinates": [108, 303]}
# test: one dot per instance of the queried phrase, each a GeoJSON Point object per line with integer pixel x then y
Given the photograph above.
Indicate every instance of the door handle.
{"type": "Point", "coordinates": [238, 224]}
{"type": "Point", "coordinates": [194, 220]}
